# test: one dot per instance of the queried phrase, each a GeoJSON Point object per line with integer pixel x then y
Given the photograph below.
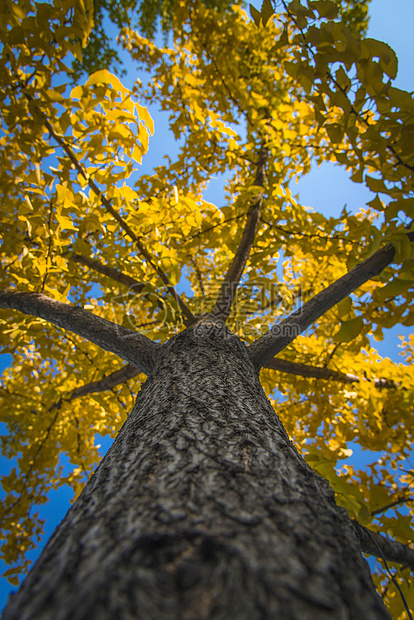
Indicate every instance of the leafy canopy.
{"type": "Point", "coordinates": [102, 52]}
{"type": "Point", "coordinates": [252, 101]}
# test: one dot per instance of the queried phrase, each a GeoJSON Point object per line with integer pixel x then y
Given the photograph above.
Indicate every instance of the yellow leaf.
{"type": "Point", "coordinates": [65, 222]}
{"type": "Point", "coordinates": [136, 154]}
{"type": "Point", "coordinates": [145, 116]}
{"type": "Point", "coordinates": [64, 195]}
{"type": "Point", "coordinates": [105, 77]}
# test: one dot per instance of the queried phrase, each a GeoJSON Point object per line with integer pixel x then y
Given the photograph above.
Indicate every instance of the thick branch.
{"type": "Point", "coordinates": [128, 372]}
{"type": "Point", "coordinates": [118, 276]}
{"type": "Point", "coordinates": [232, 278]}
{"type": "Point", "coordinates": [122, 375]}
{"type": "Point", "coordinates": [131, 346]}
{"type": "Point", "coordinates": [317, 372]}
{"type": "Point", "coordinates": [110, 272]}
{"type": "Point", "coordinates": [279, 336]}
{"type": "Point", "coordinates": [382, 547]}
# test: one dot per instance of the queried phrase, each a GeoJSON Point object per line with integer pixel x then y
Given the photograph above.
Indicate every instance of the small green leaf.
{"type": "Point", "coordinates": [375, 185]}
{"type": "Point", "coordinates": [325, 8]}
{"type": "Point", "coordinates": [403, 248]}
{"type": "Point", "coordinates": [394, 288]}
{"type": "Point", "coordinates": [267, 11]}
{"type": "Point", "coordinates": [344, 306]}
{"type": "Point", "coordinates": [349, 330]}
{"type": "Point", "coordinates": [257, 16]}
{"type": "Point", "coordinates": [357, 177]}
{"type": "Point", "coordinates": [377, 204]}
{"type": "Point", "coordinates": [335, 132]}
{"type": "Point", "coordinates": [385, 53]}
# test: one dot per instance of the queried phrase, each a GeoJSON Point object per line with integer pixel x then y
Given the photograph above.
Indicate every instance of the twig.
{"type": "Point", "coordinates": [381, 547]}
{"type": "Point", "coordinates": [110, 272]}
{"type": "Point", "coordinates": [26, 476]}
{"type": "Point", "coordinates": [122, 375]}
{"type": "Point", "coordinates": [304, 234]}
{"type": "Point", "coordinates": [397, 502]}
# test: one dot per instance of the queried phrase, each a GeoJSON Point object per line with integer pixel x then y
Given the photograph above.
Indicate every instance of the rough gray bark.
{"type": "Point", "coordinates": [128, 344]}
{"type": "Point", "coordinates": [382, 547]}
{"type": "Point", "coordinates": [202, 509]}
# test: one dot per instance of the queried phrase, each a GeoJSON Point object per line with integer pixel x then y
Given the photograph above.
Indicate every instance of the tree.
{"type": "Point", "coordinates": [152, 15]}
{"type": "Point", "coordinates": [203, 507]}
{"type": "Point", "coordinates": [100, 52]}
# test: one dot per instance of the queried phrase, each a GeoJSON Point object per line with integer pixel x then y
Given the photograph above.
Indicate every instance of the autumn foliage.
{"type": "Point", "coordinates": [254, 100]}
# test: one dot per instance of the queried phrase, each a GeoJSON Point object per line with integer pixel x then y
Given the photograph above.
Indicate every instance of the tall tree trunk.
{"type": "Point", "coordinates": [202, 509]}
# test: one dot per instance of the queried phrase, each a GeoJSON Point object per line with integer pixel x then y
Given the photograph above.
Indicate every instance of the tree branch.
{"type": "Point", "coordinates": [209, 228]}
{"type": "Point", "coordinates": [279, 336]}
{"type": "Point", "coordinates": [198, 274]}
{"type": "Point", "coordinates": [382, 547]}
{"type": "Point", "coordinates": [231, 280]}
{"type": "Point", "coordinates": [110, 272]}
{"type": "Point", "coordinates": [122, 375]}
{"type": "Point", "coordinates": [317, 372]}
{"type": "Point", "coordinates": [188, 315]}
{"type": "Point", "coordinates": [344, 91]}
{"type": "Point", "coordinates": [124, 225]}
{"type": "Point", "coordinates": [116, 275]}
{"type": "Point", "coordinates": [128, 344]}
{"type": "Point", "coordinates": [397, 502]}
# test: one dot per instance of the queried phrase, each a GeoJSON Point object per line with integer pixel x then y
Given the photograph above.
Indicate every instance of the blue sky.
{"type": "Point", "coordinates": [326, 189]}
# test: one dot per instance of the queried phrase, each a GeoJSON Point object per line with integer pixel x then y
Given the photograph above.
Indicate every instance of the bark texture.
{"type": "Point", "coordinates": [380, 546]}
{"type": "Point", "coordinates": [127, 343]}
{"type": "Point", "coordinates": [202, 509]}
